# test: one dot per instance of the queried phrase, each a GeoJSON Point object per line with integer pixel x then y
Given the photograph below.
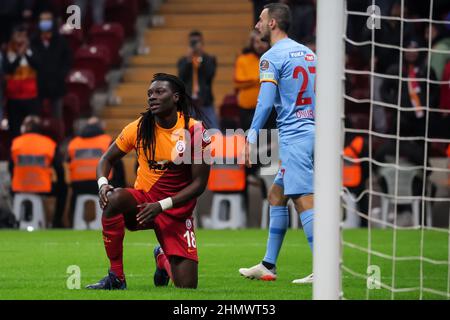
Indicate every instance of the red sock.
{"type": "Point", "coordinates": [163, 263]}
{"type": "Point", "coordinates": [113, 234]}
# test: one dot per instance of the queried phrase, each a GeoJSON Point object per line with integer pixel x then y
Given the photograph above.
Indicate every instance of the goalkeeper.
{"type": "Point", "coordinates": [287, 73]}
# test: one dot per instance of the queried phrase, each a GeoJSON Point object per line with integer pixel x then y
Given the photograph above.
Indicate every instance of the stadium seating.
{"type": "Point", "coordinates": [79, 222]}
{"type": "Point", "coordinates": [111, 35]}
{"type": "Point", "coordinates": [404, 179]}
{"type": "Point", "coordinates": [95, 58]}
{"type": "Point", "coordinates": [38, 214]}
{"type": "Point", "coordinates": [229, 112]}
{"type": "Point", "coordinates": [73, 36]}
{"type": "Point", "coordinates": [234, 204]}
{"type": "Point", "coordinates": [81, 82]}
{"type": "Point", "coordinates": [352, 219]}
{"type": "Point", "coordinates": [123, 12]}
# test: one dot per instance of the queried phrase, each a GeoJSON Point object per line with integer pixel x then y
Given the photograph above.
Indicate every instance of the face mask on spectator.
{"type": "Point", "coordinates": [45, 25]}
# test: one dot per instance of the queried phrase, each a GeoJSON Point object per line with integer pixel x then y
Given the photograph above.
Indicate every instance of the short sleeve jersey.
{"type": "Point", "coordinates": [176, 149]}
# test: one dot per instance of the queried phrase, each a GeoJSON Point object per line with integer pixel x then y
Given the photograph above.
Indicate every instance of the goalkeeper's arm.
{"type": "Point", "coordinates": [266, 99]}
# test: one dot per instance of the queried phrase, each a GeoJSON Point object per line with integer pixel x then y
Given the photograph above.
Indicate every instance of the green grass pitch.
{"type": "Point", "coordinates": [33, 265]}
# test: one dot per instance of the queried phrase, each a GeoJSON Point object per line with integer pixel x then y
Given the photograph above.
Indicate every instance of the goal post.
{"type": "Point", "coordinates": [327, 154]}
{"type": "Point", "coordinates": [395, 143]}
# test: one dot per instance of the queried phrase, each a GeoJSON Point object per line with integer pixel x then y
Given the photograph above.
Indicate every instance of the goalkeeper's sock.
{"type": "Point", "coordinates": [113, 234]}
{"type": "Point", "coordinates": [279, 222]}
{"type": "Point", "coordinates": [307, 218]}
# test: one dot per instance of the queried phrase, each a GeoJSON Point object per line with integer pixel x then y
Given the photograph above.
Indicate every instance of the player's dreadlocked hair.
{"type": "Point", "coordinates": [146, 138]}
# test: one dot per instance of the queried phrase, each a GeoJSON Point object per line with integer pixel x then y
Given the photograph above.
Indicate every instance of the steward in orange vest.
{"type": "Point", "coordinates": [33, 156]}
{"type": "Point", "coordinates": [355, 173]}
{"type": "Point", "coordinates": [352, 174]}
{"type": "Point", "coordinates": [83, 154]}
{"type": "Point", "coordinates": [227, 173]}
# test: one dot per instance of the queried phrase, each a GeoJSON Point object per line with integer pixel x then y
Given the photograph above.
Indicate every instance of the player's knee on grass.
{"type": "Point", "coordinates": [276, 196]}
{"type": "Point", "coordinates": [184, 272]}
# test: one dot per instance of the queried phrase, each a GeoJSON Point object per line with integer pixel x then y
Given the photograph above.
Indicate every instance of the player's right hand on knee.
{"type": "Point", "coordinates": [103, 194]}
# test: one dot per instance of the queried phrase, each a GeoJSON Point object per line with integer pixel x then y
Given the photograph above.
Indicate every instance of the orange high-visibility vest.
{"type": "Point", "coordinates": [85, 153]}
{"type": "Point", "coordinates": [352, 174]}
{"type": "Point", "coordinates": [228, 174]}
{"type": "Point", "coordinates": [32, 155]}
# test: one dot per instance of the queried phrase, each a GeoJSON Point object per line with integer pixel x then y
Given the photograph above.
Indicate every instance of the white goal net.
{"type": "Point", "coordinates": [395, 237]}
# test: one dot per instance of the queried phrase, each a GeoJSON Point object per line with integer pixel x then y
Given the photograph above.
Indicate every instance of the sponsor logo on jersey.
{"type": "Point", "coordinates": [188, 224]}
{"type": "Point", "coordinates": [158, 165]}
{"type": "Point", "coordinates": [264, 65]}
{"type": "Point", "coordinates": [296, 54]}
{"type": "Point", "coordinates": [309, 57]}
{"type": "Point", "coordinates": [267, 76]}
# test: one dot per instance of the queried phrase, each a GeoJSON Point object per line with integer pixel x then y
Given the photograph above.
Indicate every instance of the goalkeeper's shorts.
{"type": "Point", "coordinates": [296, 174]}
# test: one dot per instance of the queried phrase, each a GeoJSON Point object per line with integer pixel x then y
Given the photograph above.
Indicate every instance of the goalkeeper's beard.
{"type": "Point", "coordinates": [266, 38]}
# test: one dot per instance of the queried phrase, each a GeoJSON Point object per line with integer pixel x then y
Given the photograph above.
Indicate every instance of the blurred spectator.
{"type": "Point", "coordinates": [21, 90]}
{"type": "Point", "coordinates": [197, 70]}
{"type": "Point", "coordinates": [303, 19]}
{"type": "Point", "coordinates": [356, 22]}
{"type": "Point", "coordinates": [33, 156]}
{"type": "Point", "coordinates": [246, 78]}
{"type": "Point", "coordinates": [53, 60]}
{"type": "Point", "coordinates": [440, 40]}
{"type": "Point", "coordinates": [11, 13]}
{"type": "Point", "coordinates": [97, 8]}
{"type": "Point", "coordinates": [390, 34]}
{"type": "Point", "coordinates": [83, 155]}
{"type": "Point", "coordinates": [413, 92]}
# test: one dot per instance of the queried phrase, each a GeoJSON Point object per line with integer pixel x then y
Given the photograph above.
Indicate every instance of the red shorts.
{"type": "Point", "coordinates": [175, 235]}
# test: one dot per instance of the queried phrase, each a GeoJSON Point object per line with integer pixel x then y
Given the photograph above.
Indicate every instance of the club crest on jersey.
{"type": "Point", "coordinates": [309, 57]}
{"type": "Point", "coordinates": [188, 224]}
{"type": "Point", "coordinates": [205, 136]}
{"type": "Point", "coordinates": [296, 54]}
{"type": "Point", "coordinates": [180, 146]}
{"type": "Point", "coordinates": [264, 65]}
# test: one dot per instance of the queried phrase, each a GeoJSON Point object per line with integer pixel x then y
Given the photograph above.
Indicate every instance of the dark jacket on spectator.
{"type": "Point", "coordinates": [389, 33]}
{"type": "Point", "coordinates": [410, 125]}
{"type": "Point", "coordinates": [206, 73]}
{"type": "Point", "coordinates": [53, 64]}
